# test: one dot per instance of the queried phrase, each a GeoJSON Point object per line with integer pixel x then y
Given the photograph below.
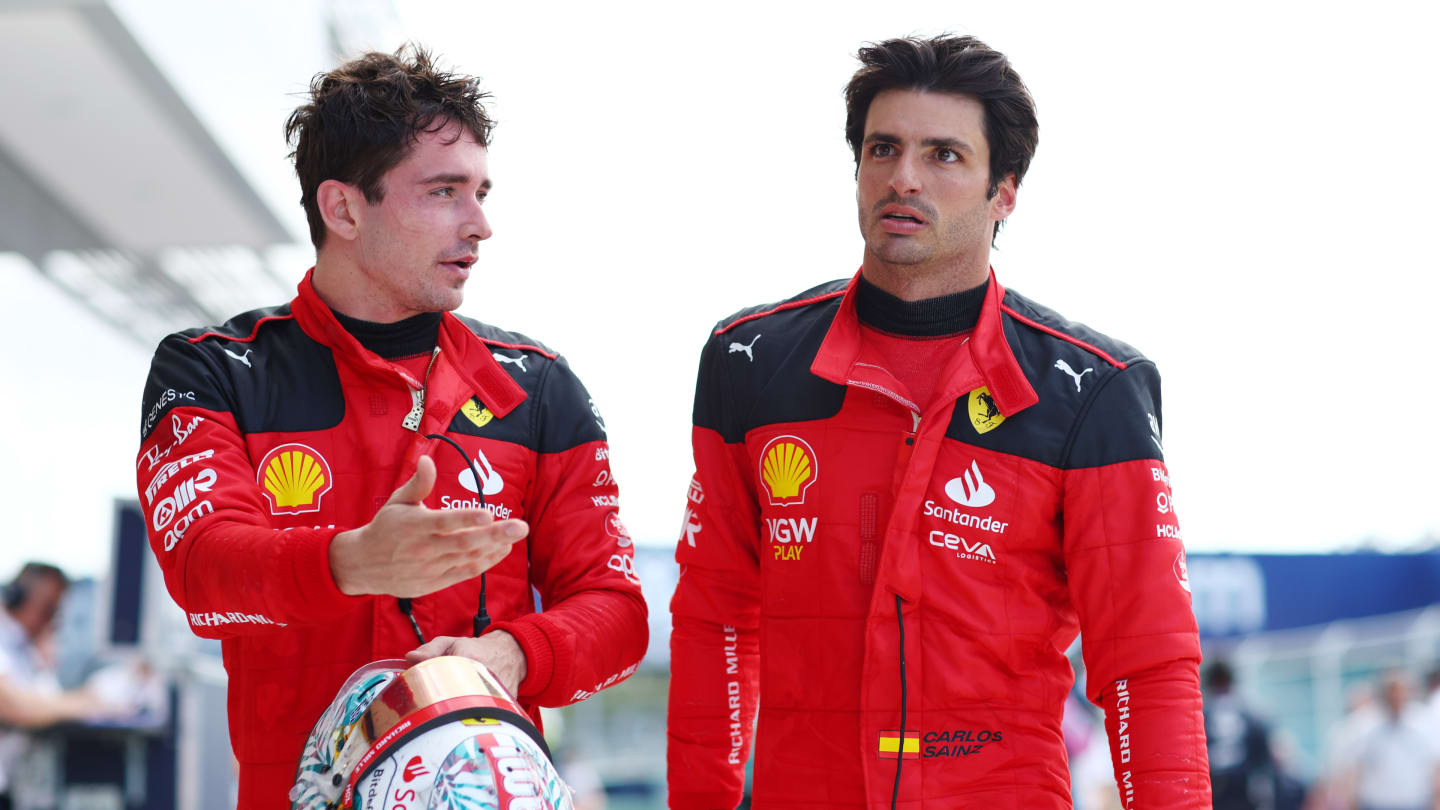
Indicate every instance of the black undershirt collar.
{"type": "Point", "coordinates": [406, 338]}
{"type": "Point", "coordinates": [930, 317]}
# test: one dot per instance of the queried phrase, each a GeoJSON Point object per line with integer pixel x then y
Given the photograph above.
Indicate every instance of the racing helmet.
{"type": "Point", "coordinates": [441, 735]}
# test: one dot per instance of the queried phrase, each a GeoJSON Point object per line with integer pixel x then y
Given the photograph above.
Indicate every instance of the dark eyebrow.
{"type": "Point", "coordinates": [948, 143]}
{"type": "Point", "coordinates": [457, 179]}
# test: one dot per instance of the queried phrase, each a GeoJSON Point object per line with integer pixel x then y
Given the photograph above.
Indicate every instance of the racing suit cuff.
{"type": "Point", "coordinates": [322, 597]}
{"type": "Point", "coordinates": [541, 666]}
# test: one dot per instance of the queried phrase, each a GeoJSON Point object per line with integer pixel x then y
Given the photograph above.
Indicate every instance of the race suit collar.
{"type": "Point", "coordinates": [928, 318]}
{"type": "Point", "coordinates": [840, 359]}
{"type": "Point", "coordinates": [473, 371]}
{"type": "Point", "coordinates": [404, 338]}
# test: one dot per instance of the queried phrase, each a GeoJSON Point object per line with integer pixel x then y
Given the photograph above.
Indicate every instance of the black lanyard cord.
{"type": "Point", "coordinates": [900, 753]}
{"type": "Point", "coordinates": [482, 617]}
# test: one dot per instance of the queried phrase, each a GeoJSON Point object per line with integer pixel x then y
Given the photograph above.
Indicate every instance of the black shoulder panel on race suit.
{"type": "Point", "coordinates": [557, 413]}
{"type": "Point", "coordinates": [1071, 367]}
{"type": "Point", "coordinates": [234, 368]}
{"type": "Point", "coordinates": [777, 343]}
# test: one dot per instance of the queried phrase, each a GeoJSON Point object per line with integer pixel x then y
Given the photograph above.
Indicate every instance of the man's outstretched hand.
{"type": "Point", "coordinates": [409, 550]}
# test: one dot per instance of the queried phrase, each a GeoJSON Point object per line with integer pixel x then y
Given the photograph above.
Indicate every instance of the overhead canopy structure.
{"type": "Point", "coordinates": [112, 187]}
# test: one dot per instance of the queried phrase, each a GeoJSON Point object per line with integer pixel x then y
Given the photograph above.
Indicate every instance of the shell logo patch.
{"type": "Point", "coordinates": [478, 414]}
{"type": "Point", "coordinates": [984, 416]}
{"type": "Point", "coordinates": [788, 467]}
{"type": "Point", "coordinates": [295, 477]}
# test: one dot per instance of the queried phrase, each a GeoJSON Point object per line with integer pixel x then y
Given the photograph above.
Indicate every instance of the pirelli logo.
{"type": "Point", "coordinates": [894, 745]}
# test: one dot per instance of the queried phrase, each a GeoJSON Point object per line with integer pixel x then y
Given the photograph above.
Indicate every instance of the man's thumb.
{"type": "Point", "coordinates": [418, 487]}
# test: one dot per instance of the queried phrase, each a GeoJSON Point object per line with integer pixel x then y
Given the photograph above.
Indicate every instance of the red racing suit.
{"type": "Point", "coordinates": [895, 586]}
{"type": "Point", "coordinates": [264, 438]}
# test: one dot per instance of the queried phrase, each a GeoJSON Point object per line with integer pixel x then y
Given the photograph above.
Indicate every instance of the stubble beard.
{"type": "Point", "coordinates": [421, 294]}
{"type": "Point", "coordinates": [944, 247]}
{"type": "Point", "coordinates": [905, 255]}
{"type": "Point", "coordinates": [442, 298]}
{"type": "Point", "coordinates": [900, 251]}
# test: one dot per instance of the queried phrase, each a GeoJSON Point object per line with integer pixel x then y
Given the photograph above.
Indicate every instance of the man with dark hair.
{"type": "Point", "coordinates": [913, 488]}
{"type": "Point", "coordinates": [30, 694]}
{"type": "Point", "coordinates": [333, 481]}
{"type": "Point", "coordinates": [1243, 773]}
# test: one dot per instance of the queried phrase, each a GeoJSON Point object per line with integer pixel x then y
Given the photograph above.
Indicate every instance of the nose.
{"type": "Point", "coordinates": [477, 225]}
{"type": "Point", "coordinates": [905, 179]}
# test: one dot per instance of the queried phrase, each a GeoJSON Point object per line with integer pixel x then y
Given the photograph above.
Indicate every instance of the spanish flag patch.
{"type": "Point", "coordinates": [890, 746]}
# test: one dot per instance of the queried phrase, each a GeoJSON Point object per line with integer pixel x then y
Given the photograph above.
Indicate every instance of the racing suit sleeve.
{"type": "Point", "coordinates": [223, 564]}
{"type": "Point", "coordinates": [715, 612]}
{"type": "Point", "coordinates": [1130, 586]}
{"type": "Point", "coordinates": [592, 632]}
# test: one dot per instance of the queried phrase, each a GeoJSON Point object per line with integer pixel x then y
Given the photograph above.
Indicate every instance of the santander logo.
{"type": "Point", "coordinates": [415, 768]}
{"type": "Point", "coordinates": [970, 489]}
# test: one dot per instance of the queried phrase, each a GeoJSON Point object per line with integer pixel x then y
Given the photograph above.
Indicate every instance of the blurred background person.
{"type": "Point", "coordinates": [1242, 767]}
{"type": "Point", "coordinates": [1432, 700]}
{"type": "Point", "coordinates": [1331, 791]}
{"type": "Point", "coordinates": [1396, 764]}
{"type": "Point", "coordinates": [30, 693]}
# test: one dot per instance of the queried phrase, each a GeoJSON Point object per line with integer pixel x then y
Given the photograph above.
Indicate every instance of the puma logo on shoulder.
{"type": "Point", "coordinates": [736, 346]}
{"type": "Point", "coordinates": [519, 361]}
{"type": "Point", "coordinates": [244, 358]}
{"type": "Point", "coordinates": [1065, 367]}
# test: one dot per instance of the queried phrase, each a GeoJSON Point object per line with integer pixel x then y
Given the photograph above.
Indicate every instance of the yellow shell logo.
{"type": "Point", "coordinates": [788, 468]}
{"type": "Point", "coordinates": [295, 477]}
{"type": "Point", "coordinates": [478, 415]}
{"type": "Point", "coordinates": [983, 413]}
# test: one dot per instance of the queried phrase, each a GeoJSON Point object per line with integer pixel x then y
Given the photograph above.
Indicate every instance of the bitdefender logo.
{"type": "Point", "coordinates": [970, 489]}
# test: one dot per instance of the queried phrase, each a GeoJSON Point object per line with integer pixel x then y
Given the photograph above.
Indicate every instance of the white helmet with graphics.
{"type": "Point", "coordinates": [442, 735]}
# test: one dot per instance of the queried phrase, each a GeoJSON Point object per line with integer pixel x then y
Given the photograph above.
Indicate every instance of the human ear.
{"type": "Point", "coordinates": [340, 208]}
{"type": "Point", "coordinates": [1002, 205]}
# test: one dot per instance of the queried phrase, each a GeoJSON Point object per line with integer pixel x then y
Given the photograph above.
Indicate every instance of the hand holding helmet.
{"type": "Point", "coordinates": [441, 735]}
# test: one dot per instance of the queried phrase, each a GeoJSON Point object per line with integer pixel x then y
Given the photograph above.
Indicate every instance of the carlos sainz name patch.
{"type": "Point", "coordinates": [960, 742]}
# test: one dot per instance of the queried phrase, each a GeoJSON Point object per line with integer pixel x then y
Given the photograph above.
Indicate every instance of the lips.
{"type": "Point", "coordinates": [459, 264]}
{"type": "Point", "coordinates": [902, 220]}
{"type": "Point", "coordinates": [902, 213]}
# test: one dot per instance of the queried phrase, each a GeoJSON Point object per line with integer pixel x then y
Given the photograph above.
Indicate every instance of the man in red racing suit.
{"type": "Point", "coordinates": [324, 481]}
{"type": "Point", "coordinates": [911, 491]}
